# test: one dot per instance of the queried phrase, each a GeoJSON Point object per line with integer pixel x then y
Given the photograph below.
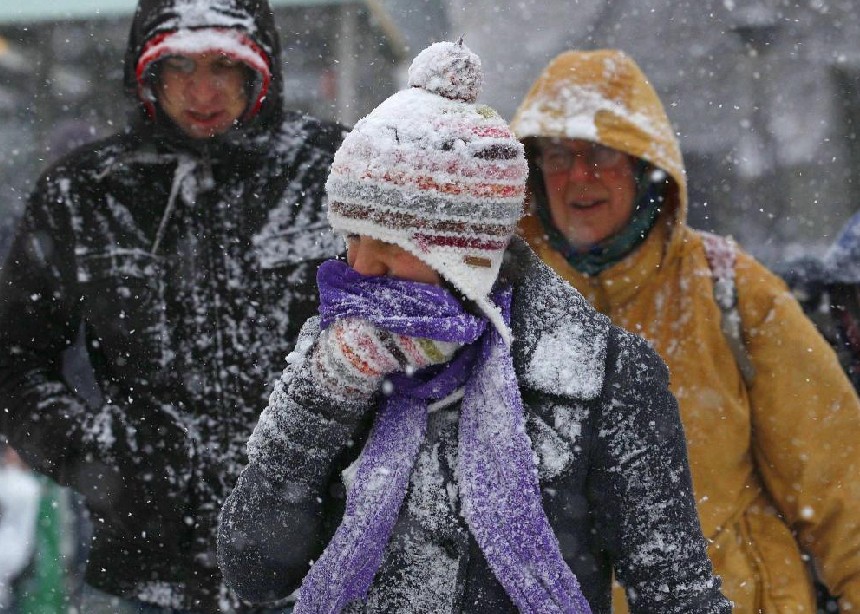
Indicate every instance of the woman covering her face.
{"type": "Point", "coordinates": [458, 431]}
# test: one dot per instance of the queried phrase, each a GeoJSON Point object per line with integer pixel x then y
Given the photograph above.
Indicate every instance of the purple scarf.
{"type": "Point", "coordinates": [499, 489]}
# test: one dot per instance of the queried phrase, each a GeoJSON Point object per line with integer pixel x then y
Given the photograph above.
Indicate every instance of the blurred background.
{"type": "Point", "coordinates": [764, 93]}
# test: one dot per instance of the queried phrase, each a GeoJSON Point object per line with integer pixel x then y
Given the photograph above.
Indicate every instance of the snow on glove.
{"type": "Point", "coordinates": [352, 356]}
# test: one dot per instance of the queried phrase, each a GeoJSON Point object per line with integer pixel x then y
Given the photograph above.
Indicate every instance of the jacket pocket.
{"type": "Point", "coordinates": [124, 308]}
{"type": "Point", "coordinates": [783, 583]}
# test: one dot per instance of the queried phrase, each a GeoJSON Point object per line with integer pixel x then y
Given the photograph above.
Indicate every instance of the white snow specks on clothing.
{"type": "Point", "coordinates": [427, 579]}
{"type": "Point", "coordinates": [162, 594]}
{"type": "Point", "coordinates": [294, 234]}
{"type": "Point", "coordinates": [429, 501]}
{"type": "Point", "coordinates": [100, 431]}
{"type": "Point", "coordinates": [575, 379]}
{"type": "Point", "coordinates": [562, 351]}
{"type": "Point", "coordinates": [553, 452]}
{"type": "Point", "coordinates": [134, 263]}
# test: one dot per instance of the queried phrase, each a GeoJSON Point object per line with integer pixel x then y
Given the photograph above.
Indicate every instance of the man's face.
{"type": "Point", "coordinates": [591, 189]}
{"type": "Point", "coordinates": [203, 93]}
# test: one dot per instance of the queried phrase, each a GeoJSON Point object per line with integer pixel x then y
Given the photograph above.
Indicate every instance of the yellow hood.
{"type": "Point", "coordinates": [604, 97]}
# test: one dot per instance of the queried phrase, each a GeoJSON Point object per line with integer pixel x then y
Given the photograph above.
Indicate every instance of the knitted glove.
{"type": "Point", "coordinates": [352, 357]}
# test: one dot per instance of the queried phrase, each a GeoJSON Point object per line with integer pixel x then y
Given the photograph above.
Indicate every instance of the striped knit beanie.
{"type": "Point", "coordinates": [436, 174]}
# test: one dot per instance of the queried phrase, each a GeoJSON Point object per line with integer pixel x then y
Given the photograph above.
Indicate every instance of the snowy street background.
{"type": "Point", "coordinates": [764, 93]}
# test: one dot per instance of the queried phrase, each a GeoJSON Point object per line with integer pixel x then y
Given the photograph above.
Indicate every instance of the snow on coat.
{"type": "Point", "coordinates": [190, 267]}
{"type": "Point", "coordinates": [774, 464]}
{"type": "Point", "coordinates": [611, 464]}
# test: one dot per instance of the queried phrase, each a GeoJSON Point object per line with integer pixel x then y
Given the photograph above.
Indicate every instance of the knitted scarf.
{"type": "Point", "coordinates": [500, 495]}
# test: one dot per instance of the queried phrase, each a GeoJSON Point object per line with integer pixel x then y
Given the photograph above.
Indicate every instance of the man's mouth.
{"type": "Point", "coordinates": [201, 117]}
{"type": "Point", "coordinates": [587, 203]}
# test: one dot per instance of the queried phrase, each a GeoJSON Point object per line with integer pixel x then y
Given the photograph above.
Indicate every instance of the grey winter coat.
{"type": "Point", "coordinates": [184, 337]}
{"type": "Point", "coordinates": [612, 466]}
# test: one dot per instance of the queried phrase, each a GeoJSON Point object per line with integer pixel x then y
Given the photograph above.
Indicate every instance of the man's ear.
{"type": "Point", "coordinates": [252, 86]}
{"type": "Point", "coordinates": [150, 90]}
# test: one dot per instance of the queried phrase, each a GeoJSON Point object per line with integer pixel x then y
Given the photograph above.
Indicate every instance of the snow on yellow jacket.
{"type": "Point", "coordinates": [775, 464]}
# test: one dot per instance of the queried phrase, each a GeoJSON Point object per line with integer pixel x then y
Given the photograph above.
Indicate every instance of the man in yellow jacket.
{"type": "Point", "coordinates": [772, 424]}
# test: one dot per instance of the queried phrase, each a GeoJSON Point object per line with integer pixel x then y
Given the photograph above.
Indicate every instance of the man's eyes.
{"type": "Point", "coordinates": [187, 65]}
{"type": "Point", "coordinates": [557, 153]}
{"type": "Point", "coordinates": [180, 64]}
{"type": "Point", "coordinates": [226, 63]}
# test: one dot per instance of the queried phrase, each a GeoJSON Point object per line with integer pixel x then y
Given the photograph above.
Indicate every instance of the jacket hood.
{"type": "Point", "coordinates": [604, 97]}
{"type": "Point", "coordinates": [251, 21]}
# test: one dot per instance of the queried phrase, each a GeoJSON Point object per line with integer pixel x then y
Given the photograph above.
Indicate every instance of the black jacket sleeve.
{"type": "Point", "coordinates": [646, 510]}
{"type": "Point", "coordinates": [285, 508]}
{"type": "Point", "coordinates": [127, 456]}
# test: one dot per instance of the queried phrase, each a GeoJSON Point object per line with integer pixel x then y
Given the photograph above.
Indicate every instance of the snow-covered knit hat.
{"type": "Point", "coordinates": [233, 43]}
{"type": "Point", "coordinates": [436, 174]}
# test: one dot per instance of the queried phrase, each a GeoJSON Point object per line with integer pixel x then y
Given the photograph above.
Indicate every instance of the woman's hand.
{"type": "Point", "coordinates": [354, 356]}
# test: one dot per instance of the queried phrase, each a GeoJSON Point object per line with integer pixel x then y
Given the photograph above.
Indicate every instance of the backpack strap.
{"type": "Point", "coordinates": [721, 254]}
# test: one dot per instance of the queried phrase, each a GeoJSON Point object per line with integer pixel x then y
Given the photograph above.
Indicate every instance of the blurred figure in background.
{"type": "Point", "coordinates": [185, 247]}
{"type": "Point", "coordinates": [772, 423]}
{"type": "Point", "coordinates": [36, 536]}
{"type": "Point", "coordinates": [841, 280]}
{"type": "Point", "coordinates": [827, 289]}
{"type": "Point", "coordinates": [19, 510]}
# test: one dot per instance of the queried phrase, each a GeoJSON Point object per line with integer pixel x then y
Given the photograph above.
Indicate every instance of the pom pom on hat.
{"type": "Point", "coordinates": [436, 174]}
{"type": "Point", "coordinates": [451, 70]}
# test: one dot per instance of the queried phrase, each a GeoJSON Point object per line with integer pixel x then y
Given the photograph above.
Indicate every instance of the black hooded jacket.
{"type": "Point", "coordinates": [190, 266]}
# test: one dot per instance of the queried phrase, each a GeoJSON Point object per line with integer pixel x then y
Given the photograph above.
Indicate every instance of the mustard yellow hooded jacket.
{"type": "Point", "coordinates": [776, 464]}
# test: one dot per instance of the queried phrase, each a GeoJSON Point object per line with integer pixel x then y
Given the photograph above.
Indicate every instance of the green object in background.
{"type": "Point", "coordinates": [43, 591]}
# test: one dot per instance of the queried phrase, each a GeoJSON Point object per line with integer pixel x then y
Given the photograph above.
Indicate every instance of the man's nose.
{"type": "Point", "coordinates": [582, 168]}
{"type": "Point", "coordinates": [203, 86]}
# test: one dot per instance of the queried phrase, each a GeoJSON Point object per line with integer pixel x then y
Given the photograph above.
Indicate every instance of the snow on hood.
{"type": "Point", "coordinates": [603, 96]}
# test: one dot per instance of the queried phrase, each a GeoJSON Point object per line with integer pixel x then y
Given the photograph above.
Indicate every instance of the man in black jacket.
{"type": "Point", "coordinates": [186, 248]}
